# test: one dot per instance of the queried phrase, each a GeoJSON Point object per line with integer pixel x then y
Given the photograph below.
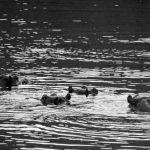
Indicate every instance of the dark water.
{"type": "Point", "coordinates": [56, 43]}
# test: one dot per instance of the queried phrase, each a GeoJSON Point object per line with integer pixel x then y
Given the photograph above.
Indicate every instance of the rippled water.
{"type": "Point", "coordinates": [60, 43]}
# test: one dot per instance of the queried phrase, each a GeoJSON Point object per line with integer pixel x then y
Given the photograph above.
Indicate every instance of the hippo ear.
{"type": "Point", "coordinates": [86, 93]}
{"type": "Point", "coordinates": [129, 98]}
{"type": "Point", "coordinates": [68, 96]}
{"type": "Point", "coordinates": [70, 89]}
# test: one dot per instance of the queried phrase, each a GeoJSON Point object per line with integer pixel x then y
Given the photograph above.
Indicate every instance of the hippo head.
{"type": "Point", "coordinates": [24, 81]}
{"type": "Point", "coordinates": [94, 91]}
{"type": "Point", "coordinates": [131, 101]}
{"type": "Point", "coordinates": [11, 80]}
{"type": "Point", "coordinates": [15, 80]}
{"type": "Point", "coordinates": [44, 99]}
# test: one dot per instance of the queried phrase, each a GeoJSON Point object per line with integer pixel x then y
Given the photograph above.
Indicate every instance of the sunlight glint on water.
{"type": "Point", "coordinates": [57, 44]}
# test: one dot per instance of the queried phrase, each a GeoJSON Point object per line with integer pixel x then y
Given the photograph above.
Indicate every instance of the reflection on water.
{"type": "Point", "coordinates": [56, 44]}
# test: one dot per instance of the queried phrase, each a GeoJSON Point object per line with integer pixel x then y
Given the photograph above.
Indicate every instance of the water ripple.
{"type": "Point", "coordinates": [55, 45]}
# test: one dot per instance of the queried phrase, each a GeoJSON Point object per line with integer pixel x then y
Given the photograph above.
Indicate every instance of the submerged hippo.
{"type": "Point", "coordinates": [7, 81]}
{"type": "Point", "coordinates": [93, 91]}
{"type": "Point", "coordinates": [24, 81]}
{"type": "Point", "coordinates": [79, 91]}
{"type": "Point", "coordinates": [54, 99]}
{"type": "Point", "coordinates": [83, 90]}
{"type": "Point", "coordinates": [139, 103]}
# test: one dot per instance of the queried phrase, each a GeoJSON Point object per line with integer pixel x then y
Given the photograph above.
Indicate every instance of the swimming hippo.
{"type": "Point", "coordinates": [54, 99]}
{"type": "Point", "coordinates": [79, 91]}
{"type": "Point", "coordinates": [24, 81]}
{"type": "Point", "coordinates": [93, 91]}
{"type": "Point", "coordinates": [139, 103]}
{"type": "Point", "coordinates": [83, 90]}
{"type": "Point", "coordinates": [7, 81]}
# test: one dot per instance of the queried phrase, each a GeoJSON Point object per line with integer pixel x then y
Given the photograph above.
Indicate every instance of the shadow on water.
{"type": "Point", "coordinates": [55, 45]}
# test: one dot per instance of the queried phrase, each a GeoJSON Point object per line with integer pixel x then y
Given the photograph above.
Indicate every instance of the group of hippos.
{"type": "Point", "coordinates": [135, 103]}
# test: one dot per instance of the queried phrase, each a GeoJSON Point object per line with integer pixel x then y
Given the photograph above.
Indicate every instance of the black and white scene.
{"type": "Point", "coordinates": [74, 75]}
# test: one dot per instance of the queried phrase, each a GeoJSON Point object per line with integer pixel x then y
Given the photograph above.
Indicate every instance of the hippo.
{"type": "Point", "coordinates": [7, 81]}
{"type": "Point", "coordinates": [139, 103]}
{"type": "Point", "coordinates": [83, 90]}
{"type": "Point", "coordinates": [79, 91]}
{"type": "Point", "coordinates": [56, 100]}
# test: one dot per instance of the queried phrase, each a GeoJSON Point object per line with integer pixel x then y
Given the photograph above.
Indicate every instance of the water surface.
{"type": "Point", "coordinates": [56, 44]}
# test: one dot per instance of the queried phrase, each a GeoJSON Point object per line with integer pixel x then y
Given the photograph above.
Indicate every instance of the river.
{"type": "Point", "coordinates": [56, 43]}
